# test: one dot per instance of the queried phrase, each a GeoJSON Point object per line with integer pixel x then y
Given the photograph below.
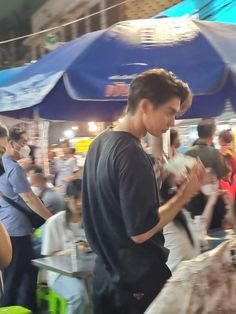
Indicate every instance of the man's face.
{"type": "Point", "coordinates": [159, 120]}
{"type": "Point", "coordinates": [3, 144]}
{"type": "Point", "coordinates": [21, 142]}
{"type": "Point", "coordinates": [177, 142]}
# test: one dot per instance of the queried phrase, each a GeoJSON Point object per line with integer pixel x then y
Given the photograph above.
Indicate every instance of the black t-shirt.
{"type": "Point", "coordinates": [197, 206]}
{"type": "Point", "coordinates": [120, 201]}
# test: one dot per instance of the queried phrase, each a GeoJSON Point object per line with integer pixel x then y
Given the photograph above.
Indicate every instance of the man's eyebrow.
{"type": "Point", "coordinates": [173, 110]}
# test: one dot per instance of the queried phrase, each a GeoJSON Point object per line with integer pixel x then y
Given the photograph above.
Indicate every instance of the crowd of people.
{"type": "Point", "coordinates": [27, 187]}
{"type": "Point", "coordinates": [138, 219]}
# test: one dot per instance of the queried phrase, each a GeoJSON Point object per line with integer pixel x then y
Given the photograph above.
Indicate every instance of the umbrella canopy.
{"type": "Point", "coordinates": [217, 10]}
{"type": "Point", "coordinates": [8, 74]}
{"type": "Point", "coordinates": [88, 78]}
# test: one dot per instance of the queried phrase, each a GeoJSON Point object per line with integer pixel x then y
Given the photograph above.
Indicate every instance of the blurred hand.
{"type": "Point", "coordinates": [212, 199]}
{"type": "Point", "coordinates": [226, 198]}
{"type": "Point", "coordinates": [193, 181]}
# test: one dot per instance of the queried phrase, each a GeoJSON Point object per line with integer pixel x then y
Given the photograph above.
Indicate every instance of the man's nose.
{"type": "Point", "coordinates": [172, 122]}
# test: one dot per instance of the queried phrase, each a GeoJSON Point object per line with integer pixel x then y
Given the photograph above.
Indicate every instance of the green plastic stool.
{"type": "Point", "coordinates": [37, 233]}
{"type": "Point", "coordinates": [15, 310]}
{"type": "Point", "coordinates": [57, 304]}
{"type": "Point", "coordinates": [42, 294]}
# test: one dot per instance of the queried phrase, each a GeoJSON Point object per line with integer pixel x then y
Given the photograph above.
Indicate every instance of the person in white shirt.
{"type": "Point", "coordinates": [179, 235]}
{"type": "Point", "coordinates": [66, 169]}
{"type": "Point", "coordinates": [60, 232]}
{"type": "Point", "coordinates": [180, 240]}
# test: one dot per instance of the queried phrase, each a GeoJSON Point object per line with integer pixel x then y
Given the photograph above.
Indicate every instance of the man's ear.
{"type": "Point", "coordinates": [11, 143]}
{"type": "Point", "coordinates": [145, 105]}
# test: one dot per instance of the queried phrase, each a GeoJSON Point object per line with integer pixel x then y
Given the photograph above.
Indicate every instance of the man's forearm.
{"type": "Point", "coordinates": [5, 248]}
{"type": "Point", "coordinates": [169, 210]}
{"type": "Point", "coordinates": [166, 214]}
{"type": "Point", "coordinates": [35, 204]}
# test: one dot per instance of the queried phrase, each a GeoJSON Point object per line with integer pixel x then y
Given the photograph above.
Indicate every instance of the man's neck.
{"type": "Point", "coordinates": [207, 141]}
{"type": "Point", "coordinates": [132, 124]}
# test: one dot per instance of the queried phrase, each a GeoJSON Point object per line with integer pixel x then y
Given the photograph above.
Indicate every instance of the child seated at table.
{"type": "Point", "coordinates": [60, 232]}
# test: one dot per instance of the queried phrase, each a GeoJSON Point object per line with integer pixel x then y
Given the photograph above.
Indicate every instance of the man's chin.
{"type": "Point", "coordinates": [164, 131]}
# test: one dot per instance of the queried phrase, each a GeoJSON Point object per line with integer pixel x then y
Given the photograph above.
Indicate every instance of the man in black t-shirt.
{"type": "Point", "coordinates": [121, 212]}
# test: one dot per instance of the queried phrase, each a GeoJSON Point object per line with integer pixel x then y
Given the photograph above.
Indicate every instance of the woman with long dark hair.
{"type": "Point", "coordinates": [60, 233]}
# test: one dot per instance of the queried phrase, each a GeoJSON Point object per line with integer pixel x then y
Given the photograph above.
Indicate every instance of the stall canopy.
{"type": "Point", "coordinates": [210, 10]}
{"type": "Point", "coordinates": [87, 79]}
{"type": "Point", "coordinates": [8, 74]}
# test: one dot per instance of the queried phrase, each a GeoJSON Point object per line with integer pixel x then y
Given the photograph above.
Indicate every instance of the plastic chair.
{"type": "Point", "coordinates": [15, 310]}
{"type": "Point", "coordinates": [37, 233]}
{"type": "Point", "coordinates": [42, 294]}
{"type": "Point", "coordinates": [57, 304]}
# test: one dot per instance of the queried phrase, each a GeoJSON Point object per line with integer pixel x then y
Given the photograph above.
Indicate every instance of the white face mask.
{"type": "Point", "coordinates": [24, 151]}
{"type": "Point", "coordinates": [209, 189]}
{"type": "Point", "coordinates": [36, 190]}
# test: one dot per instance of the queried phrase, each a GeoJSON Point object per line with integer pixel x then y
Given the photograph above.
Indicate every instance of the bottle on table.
{"type": "Point", "coordinates": [200, 228]}
{"type": "Point", "coordinates": [74, 256]}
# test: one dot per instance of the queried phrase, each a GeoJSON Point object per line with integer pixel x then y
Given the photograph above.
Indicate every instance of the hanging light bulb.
{"type": "Point", "coordinates": [92, 126]}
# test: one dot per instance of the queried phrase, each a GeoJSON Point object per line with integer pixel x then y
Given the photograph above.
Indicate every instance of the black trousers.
{"type": "Point", "coordinates": [133, 299]}
{"type": "Point", "coordinates": [20, 277]}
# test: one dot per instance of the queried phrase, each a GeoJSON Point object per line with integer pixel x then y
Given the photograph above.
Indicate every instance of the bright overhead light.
{"type": "Point", "coordinates": [121, 120]}
{"type": "Point", "coordinates": [68, 133]}
{"type": "Point", "coordinates": [75, 128]}
{"type": "Point", "coordinates": [92, 126]}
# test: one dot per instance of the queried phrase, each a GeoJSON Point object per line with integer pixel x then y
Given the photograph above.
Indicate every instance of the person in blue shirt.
{"type": "Point", "coordinates": [20, 276]}
{"type": "Point", "coordinates": [5, 247]}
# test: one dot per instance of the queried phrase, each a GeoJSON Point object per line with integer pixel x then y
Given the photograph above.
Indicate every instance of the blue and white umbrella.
{"type": "Point", "coordinates": [88, 78]}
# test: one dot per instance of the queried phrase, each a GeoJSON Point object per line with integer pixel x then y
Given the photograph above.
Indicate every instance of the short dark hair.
{"type": "Point", "coordinates": [206, 128]}
{"type": "Point", "coordinates": [16, 132]}
{"type": "Point", "coordinates": [173, 136]}
{"type": "Point", "coordinates": [35, 169]}
{"type": "Point", "coordinates": [74, 188]}
{"type": "Point", "coordinates": [158, 86]}
{"type": "Point", "coordinates": [72, 150]}
{"type": "Point", "coordinates": [3, 131]}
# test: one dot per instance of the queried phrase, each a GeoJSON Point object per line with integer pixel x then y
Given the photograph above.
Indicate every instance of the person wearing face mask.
{"type": "Point", "coordinates": [20, 139]}
{"type": "Point", "coordinates": [203, 148]}
{"type": "Point", "coordinates": [20, 277]}
{"type": "Point", "coordinates": [212, 203]}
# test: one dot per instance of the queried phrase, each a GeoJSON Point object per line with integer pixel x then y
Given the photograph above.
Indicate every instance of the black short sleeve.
{"type": "Point", "coordinates": [137, 191]}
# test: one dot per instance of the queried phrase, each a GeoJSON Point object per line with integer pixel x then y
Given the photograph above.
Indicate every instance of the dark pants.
{"type": "Point", "coordinates": [132, 299]}
{"type": "Point", "coordinates": [20, 277]}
